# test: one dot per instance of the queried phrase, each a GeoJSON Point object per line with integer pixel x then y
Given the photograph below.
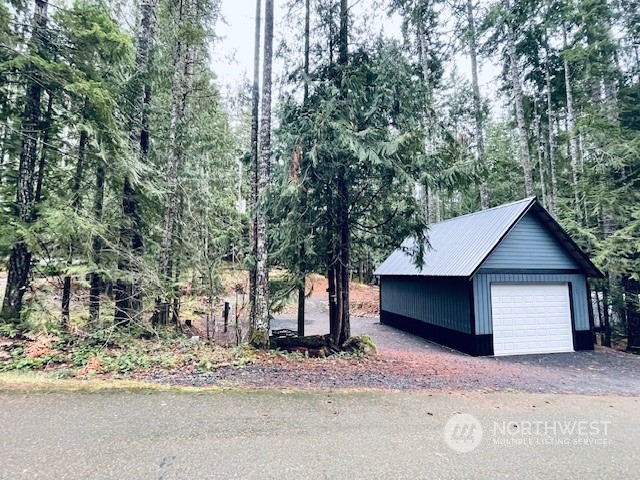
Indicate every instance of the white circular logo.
{"type": "Point", "coordinates": [463, 432]}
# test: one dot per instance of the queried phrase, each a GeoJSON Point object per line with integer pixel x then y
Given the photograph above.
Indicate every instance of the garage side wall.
{"type": "Point", "coordinates": [482, 299]}
{"type": "Point", "coordinates": [440, 301]}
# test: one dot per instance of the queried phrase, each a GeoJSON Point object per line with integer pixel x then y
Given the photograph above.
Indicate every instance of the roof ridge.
{"type": "Point", "coordinates": [524, 200]}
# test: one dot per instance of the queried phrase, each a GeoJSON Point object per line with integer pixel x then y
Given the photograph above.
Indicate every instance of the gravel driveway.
{"type": "Point", "coordinates": [407, 362]}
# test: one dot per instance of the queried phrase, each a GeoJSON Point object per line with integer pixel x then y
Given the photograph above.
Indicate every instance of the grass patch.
{"type": "Point", "coordinates": [39, 382]}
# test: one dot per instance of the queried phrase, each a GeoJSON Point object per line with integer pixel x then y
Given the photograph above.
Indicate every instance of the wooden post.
{"type": "Point", "coordinates": [227, 308]}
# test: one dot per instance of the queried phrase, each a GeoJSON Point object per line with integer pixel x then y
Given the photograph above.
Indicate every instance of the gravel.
{"type": "Point", "coordinates": [407, 362]}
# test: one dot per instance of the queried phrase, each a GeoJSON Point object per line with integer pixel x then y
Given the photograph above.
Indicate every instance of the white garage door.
{"type": "Point", "coordinates": [531, 318]}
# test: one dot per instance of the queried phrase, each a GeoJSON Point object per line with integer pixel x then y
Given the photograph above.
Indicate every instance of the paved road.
{"type": "Point", "coordinates": [317, 435]}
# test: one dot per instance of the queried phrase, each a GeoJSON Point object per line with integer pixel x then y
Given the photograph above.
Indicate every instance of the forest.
{"type": "Point", "coordinates": [129, 181]}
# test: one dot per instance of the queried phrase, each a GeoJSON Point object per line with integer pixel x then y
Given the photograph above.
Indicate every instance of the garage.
{"type": "Point", "coordinates": [531, 318]}
{"type": "Point", "coordinates": [508, 280]}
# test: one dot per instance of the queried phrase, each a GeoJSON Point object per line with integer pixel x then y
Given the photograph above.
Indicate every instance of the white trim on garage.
{"type": "Point", "coordinates": [531, 318]}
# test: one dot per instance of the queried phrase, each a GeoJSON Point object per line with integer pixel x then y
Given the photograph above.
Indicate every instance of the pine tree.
{"type": "Point", "coordinates": [477, 99]}
{"type": "Point", "coordinates": [19, 265]}
{"type": "Point", "coordinates": [127, 288]}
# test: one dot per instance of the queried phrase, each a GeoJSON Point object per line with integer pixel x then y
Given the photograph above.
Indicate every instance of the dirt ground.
{"type": "Point", "coordinates": [363, 299]}
{"type": "Point", "coordinates": [406, 362]}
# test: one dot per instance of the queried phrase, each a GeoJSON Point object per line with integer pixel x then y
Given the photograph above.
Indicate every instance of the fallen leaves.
{"type": "Point", "coordinates": [94, 365]}
{"type": "Point", "coordinates": [40, 345]}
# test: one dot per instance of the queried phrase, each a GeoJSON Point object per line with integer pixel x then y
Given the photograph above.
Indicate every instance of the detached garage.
{"type": "Point", "coordinates": [504, 281]}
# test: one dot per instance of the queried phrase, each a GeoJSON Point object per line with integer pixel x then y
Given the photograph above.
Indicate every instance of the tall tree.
{"type": "Point", "coordinates": [420, 31]}
{"type": "Point", "coordinates": [553, 191]}
{"type": "Point", "coordinates": [255, 127]}
{"type": "Point", "coordinates": [259, 330]}
{"type": "Point", "coordinates": [518, 97]}
{"type": "Point", "coordinates": [298, 158]}
{"type": "Point", "coordinates": [574, 152]}
{"type": "Point", "coordinates": [185, 39]}
{"type": "Point", "coordinates": [477, 99]}
{"type": "Point", "coordinates": [93, 45]}
{"type": "Point", "coordinates": [76, 200]}
{"type": "Point", "coordinates": [20, 259]}
{"type": "Point", "coordinates": [127, 288]}
{"type": "Point", "coordinates": [340, 246]}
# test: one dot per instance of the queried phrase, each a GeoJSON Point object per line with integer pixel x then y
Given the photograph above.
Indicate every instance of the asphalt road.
{"type": "Point", "coordinates": [317, 435]}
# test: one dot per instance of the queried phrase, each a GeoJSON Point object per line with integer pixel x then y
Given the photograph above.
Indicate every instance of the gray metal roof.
{"type": "Point", "coordinates": [459, 246]}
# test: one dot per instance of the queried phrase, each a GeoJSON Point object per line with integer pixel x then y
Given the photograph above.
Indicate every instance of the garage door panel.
{"type": "Point", "coordinates": [531, 318]}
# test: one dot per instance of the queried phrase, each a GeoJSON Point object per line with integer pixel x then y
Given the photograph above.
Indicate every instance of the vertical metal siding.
{"type": "Point", "coordinates": [482, 295]}
{"type": "Point", "coordinates": [442, 301]}
{"type": "Point", "coordinates": [529, 245]}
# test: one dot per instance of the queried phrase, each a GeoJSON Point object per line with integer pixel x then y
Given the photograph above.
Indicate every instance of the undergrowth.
{"type": "Point", "coordinates": [106, 352]}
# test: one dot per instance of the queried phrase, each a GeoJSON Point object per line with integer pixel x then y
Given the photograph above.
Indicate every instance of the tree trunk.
{"type": "Point", "coordinates": [613, 284]}
{"type": "Point", "coordinates": [339, 322]}
{"type": "Point", "coordinates": [307, 47]}
{"type": "Point", "coordinates": [592, 322]}
{"type": "Point", "coordinates": [332, 259]}
{"type": "Point", "coordinates": [574, 152]}
{"type": "Point", "coordinates": [302, 265]}
{"type": "Point", "coordinates": [4, 154]}
{"type": "Point", "coordinates": [433, 205]}
{"type": "Point", "coordinates": [75, 204]}
{"type": "Point", "coordinates": [551, 204]}
{"type": "Point", "coordinates": [606, 302]}
{"type": "Point", "coordinates": [45, 147]}
{"type": "Point", "coordinates": [96, 246]}
{"type": "Point", "coordinates": [20, 258]}
{"type": "Point", "coordinates": [301, 307]}
{"type": "Point", "coordinates": [632, 304]}
{"type": "Point", "coordinates": [345, 261]}
{"type": "Point", "coordinates": [127, 288]}
{"type": "Point", "coordinates": [66, 302]}
{"type": "Point", "coordinates": [514, 75]}
{"type": "Point", "coordinates": [611, 99]}
{"type": "Point", "coordinates": [259, 331]}
{"type": "Point", "coordinates": [255, 123]}
{"type": "Point", "coordinates": [423, 59]}
{"type": "Point", "coordinates": [343, 39]}
{"type": "Point", "coordinates": [540, 148]}
{"type": "Point", "coordinates": [181, 88]}
{"type": "Point", "coordinates": [554, 183]}
{"type": "Point", "coordinates": [77, 178]}
{"type": "Point", "coordinates": [175, 309]}
{"type": "Point", "coordinates": [477, 101]}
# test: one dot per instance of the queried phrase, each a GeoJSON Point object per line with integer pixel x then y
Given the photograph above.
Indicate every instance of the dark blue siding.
{"type": "Point", "coordinates": [442, 301]}
{"type": "Point", "coordinates": [482, 295]}
{"type": "Point", "coordinates": [529, 246]}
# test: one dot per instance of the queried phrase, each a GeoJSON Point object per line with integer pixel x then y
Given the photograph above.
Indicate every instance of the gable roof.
{"type": "Point", "coordinates": [460, 245]}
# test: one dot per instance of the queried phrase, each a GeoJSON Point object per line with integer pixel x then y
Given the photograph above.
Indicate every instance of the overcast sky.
{"type": "Point", "coordinates": [233, 54]}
